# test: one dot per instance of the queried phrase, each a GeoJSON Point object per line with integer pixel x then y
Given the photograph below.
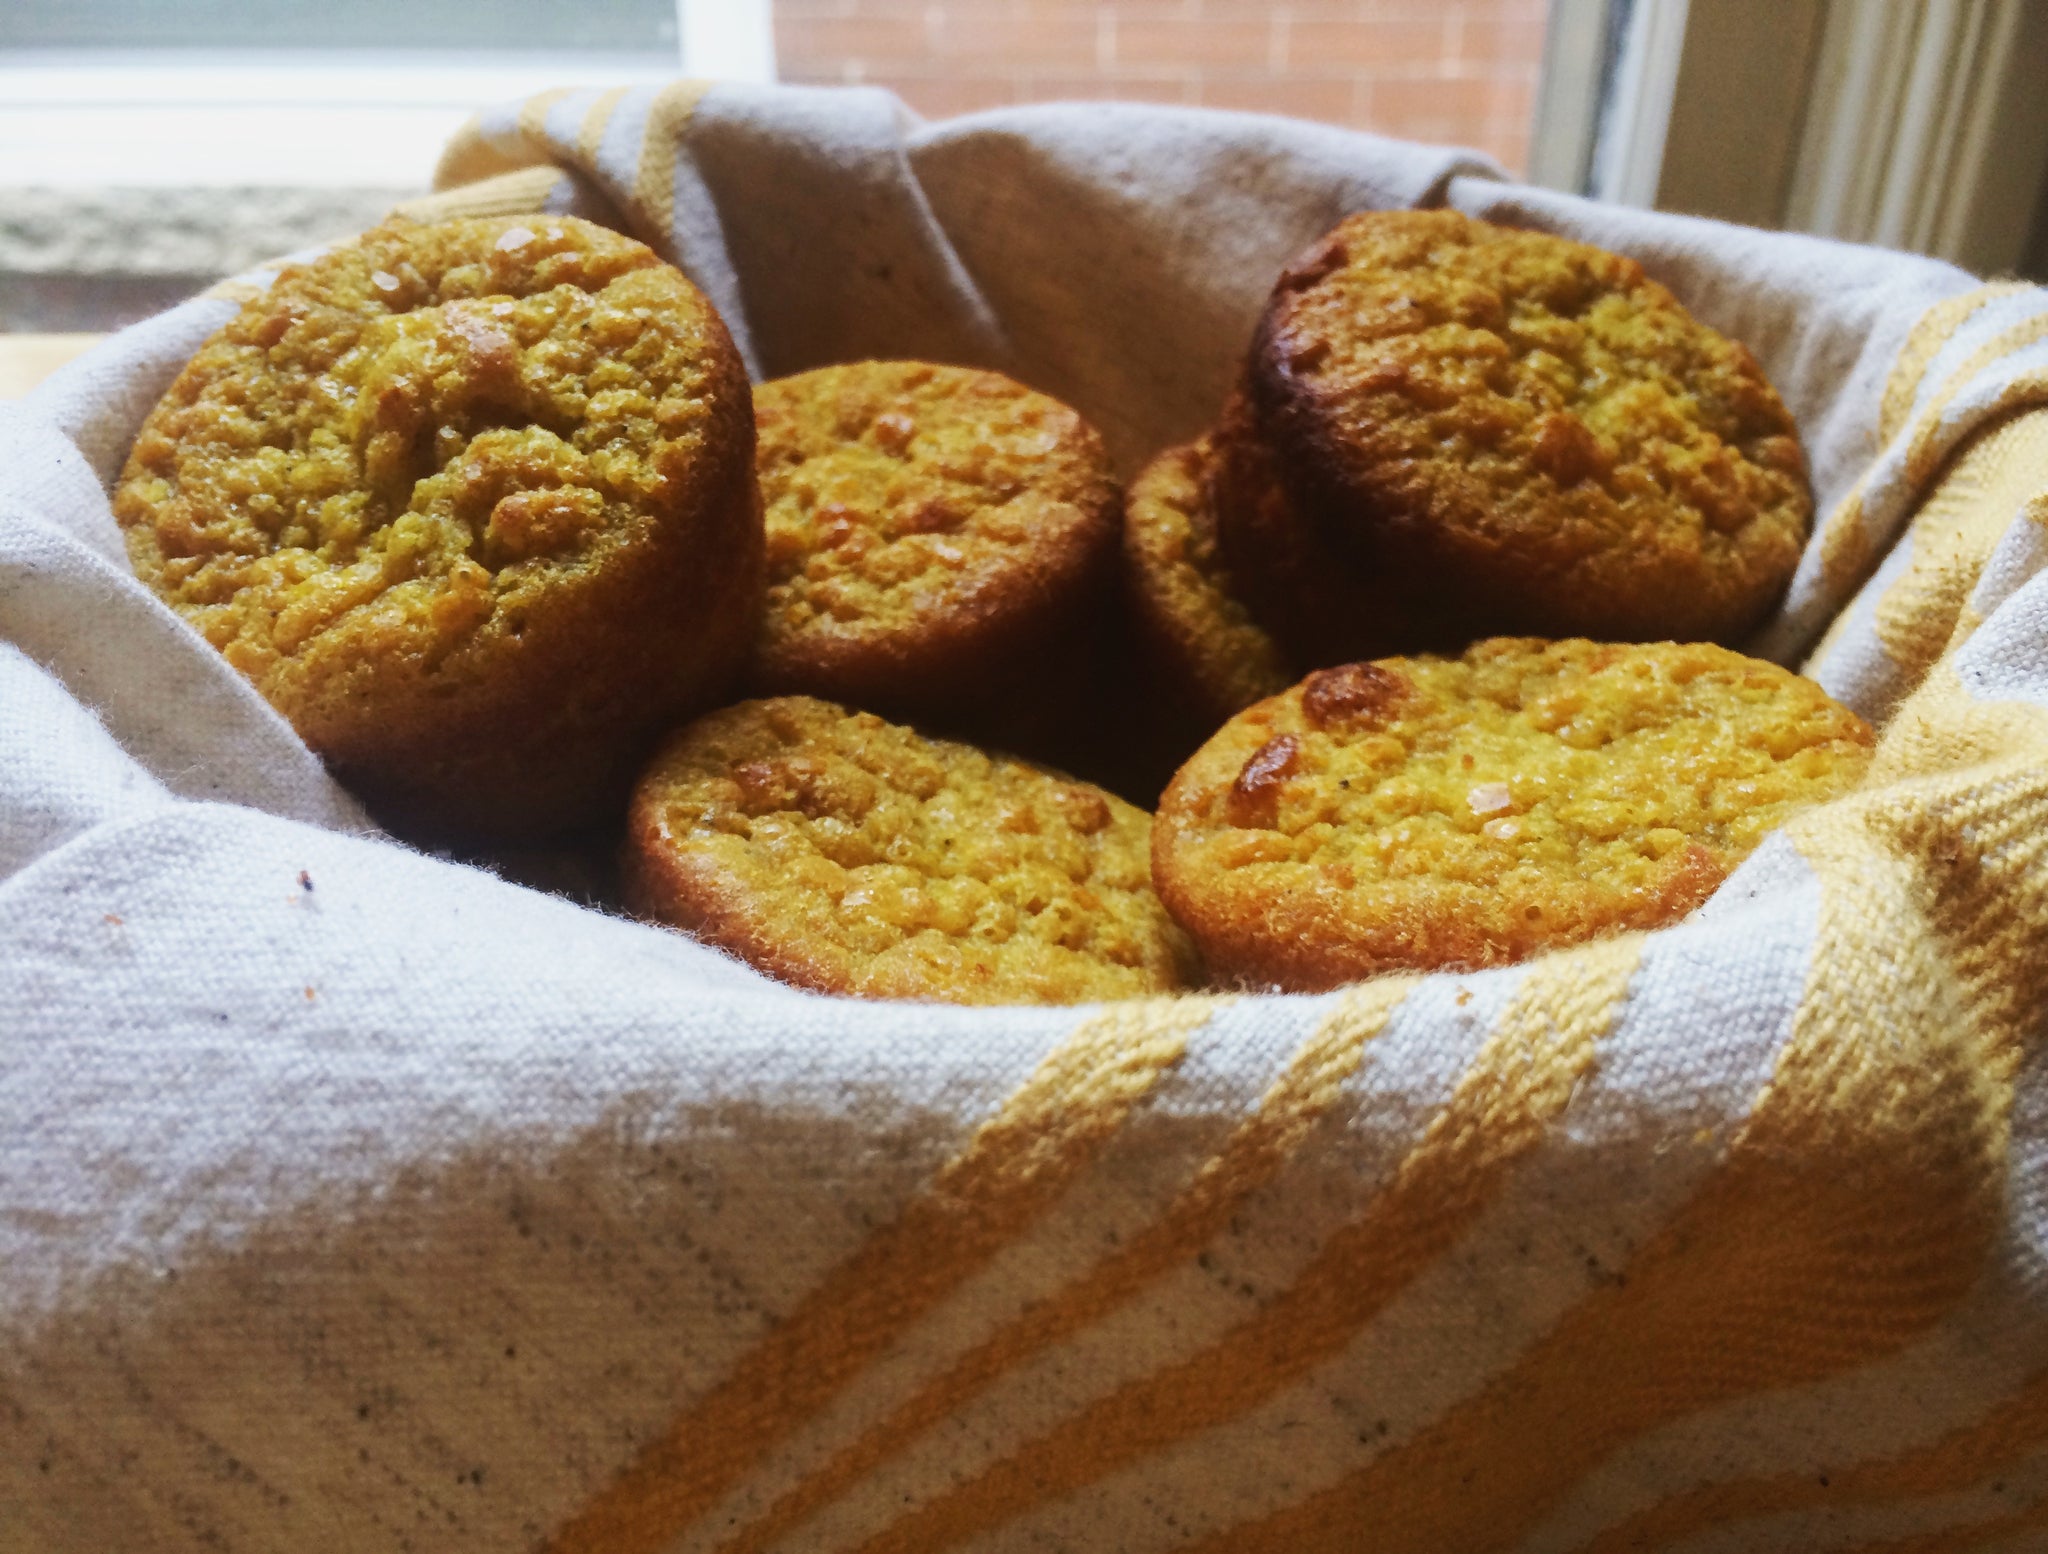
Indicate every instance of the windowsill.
{"type": "Point", "coordinates": [25, 360]}
{"type": "Point", "coordinates": [129, 179]}
{"type": "Point", "coordinates": [332, 120]}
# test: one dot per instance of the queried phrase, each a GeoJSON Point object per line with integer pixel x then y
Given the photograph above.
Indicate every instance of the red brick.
{"type": "Point", "coordinates": [1063, 37]}
{"type": "Point", "coordinates": [1484, 41]}
{"type": "Point", "coordinates": [844, 74]}
{"type": "Point", "coordinates": [1467, 100]}
{"type": "Point", "coordinates": [1385, 44]}
{"type": "Point", "coordinates": [1509, 148]}
{"type": "Point", "coordinates": [1514, 98]}
{"type": "Point", "coordinates": [1181, 10]}
{"type": "Point", "coordinates": [1331, 99]}
{"type": "Point", "coordinates": [1428, 132]}
{"type": "Point", "coordinates": [1238, 42]}
{"type": "Point", "coordinates": [1444, 111]}
{"type": "Point", "coordinates": [821, 41]}
{"type": "Point", "coordinates": [1355, 10]}
{"type": "Point", "coordinates": [1395, 10]}
{"type": "Point", "coordinates": [1163, 87]}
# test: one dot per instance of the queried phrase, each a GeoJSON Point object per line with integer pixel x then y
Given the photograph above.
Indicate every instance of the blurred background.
{"type": "Point", "coordinates": [1461, 71]}
{"type": "Point", "coordinates": [149, 146]}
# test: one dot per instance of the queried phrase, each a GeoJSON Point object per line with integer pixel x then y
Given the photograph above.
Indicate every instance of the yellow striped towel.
{"type": "Point", "coordinates": [353, 1200]}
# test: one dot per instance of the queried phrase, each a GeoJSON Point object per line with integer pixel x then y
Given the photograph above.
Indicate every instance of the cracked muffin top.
{"type": "Point", "coordinates": [1435, 813]}
{"type": "Point", "coordinates": [462, 484]}
{"type": "Point", "coordinates": [844, 853]}
{"type": "Point", "coordinates": [928, 527]}
{"type": "Point", "coordinates": [1534, 425]}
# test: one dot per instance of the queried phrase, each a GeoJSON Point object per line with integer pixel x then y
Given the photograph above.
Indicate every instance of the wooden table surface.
{"type": "Point", "coordinates": [25, 360]}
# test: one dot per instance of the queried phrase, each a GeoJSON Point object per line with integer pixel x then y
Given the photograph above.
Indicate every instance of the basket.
{"type": "Point", "coordinates": [352, 1198]}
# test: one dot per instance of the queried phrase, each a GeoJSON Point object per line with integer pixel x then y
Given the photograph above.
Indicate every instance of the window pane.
{"type": "Point", "coordinates": [374, 24]}
{"type": "Point", "coordinates": [1458, 71]}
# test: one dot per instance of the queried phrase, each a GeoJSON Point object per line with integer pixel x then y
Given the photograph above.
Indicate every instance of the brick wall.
{"type": "Point", "coordinates": [1462, 71]}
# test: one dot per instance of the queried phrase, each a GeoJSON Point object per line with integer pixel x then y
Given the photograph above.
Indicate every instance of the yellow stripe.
{"type": "Point", "coordinates": [653, 196]}
{"type": "Point", "coordinates": [470, 158]}
{"type": "Point", "coordinates": [1846, 548]}
{"type": "Point", "coordinates": [1841, 556]}
{"type": "Point", "coordinates": [1255, 1151]}
{"type": "Point", "coordinates": [1953, 535]}
{"type": "Point", "coordinates": [1014, 1169]}
{"type": "Point", "coordinates": [533, 114]}
{"type": "Point", "coordinates": [1966, 1456]}
{"type": "Point", "coordinates": [1943, 736]}
{"type": "Point", "coordinates": [1855, 1208]}
{"type": "Point", "coordinates": [1935, 328]}
{"type": "Point", "coordinates": [1846, 545]}
{"type": "Point", "coordinates": [1969, 801]}
{"type": "Point", "coordinates": [590, 134]}
{"type": "Point", "coordinates": [1522, 1077]}
{"type": "Point", "coordinates": [2009, 341]}
{"type": "Point", "coordinates": [507, 194]}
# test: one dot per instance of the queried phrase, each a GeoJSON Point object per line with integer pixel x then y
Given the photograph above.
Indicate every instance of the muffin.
{"type": "Point", "coordinates": [1439, 813]}
{"type": "Point", "coordinates": [472, 504]}
{"type": "Point", "coordinates": [840, 852]}
{"type": "Point", "coordinates": [1321, 605]}
{"type": "Point", "coordinates": [1193, 628]}
{"type": "Point", "coordinates": [1529, 428]}
{"type": "Point", "coordinates": [932, 531]}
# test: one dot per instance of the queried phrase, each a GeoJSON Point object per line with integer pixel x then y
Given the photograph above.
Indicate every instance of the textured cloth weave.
{"type": "Point", "coordinates": [352, 1199]}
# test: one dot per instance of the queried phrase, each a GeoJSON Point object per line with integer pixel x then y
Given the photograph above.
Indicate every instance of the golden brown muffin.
{"type": "Point", "coordinates": [931, 530]}
{"type": "Point", "coordinates": [1437, 813]}
{"type": "Point", "coordinates": [1191, 622]}
{"type": "Point", "coordinates": [473, 505]}
{"type": "Point", "coordinates": [1322, 605]}
{"type": "Point", "coordinates": [843, 853]}
{"type": "Point", "coordinates": [1530, 425]}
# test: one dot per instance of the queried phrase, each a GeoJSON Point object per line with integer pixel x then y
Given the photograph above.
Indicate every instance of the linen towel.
{"type": "Point", "coordinates": [354, 1199]}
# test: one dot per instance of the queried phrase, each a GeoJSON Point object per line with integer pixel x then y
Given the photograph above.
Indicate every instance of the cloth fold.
{"type": "Point", "coordinates": [357, 1199]}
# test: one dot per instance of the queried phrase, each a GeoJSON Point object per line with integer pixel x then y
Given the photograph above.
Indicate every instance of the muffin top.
{"type": "Point", "coordinates": [1457, 812]}
{"type": "Point", "coordinates": [472, 504]}
{"type": "Point", "coordinates": [1183, 590]}
{"type": "Point", "coordinates": [1534, 420]}
{"type": "Point", "coordinates": [844, 853]}
{"type": "Point", "coordinates": [380, 467]}
{"type": "Point", "coordinates": [925, 523]}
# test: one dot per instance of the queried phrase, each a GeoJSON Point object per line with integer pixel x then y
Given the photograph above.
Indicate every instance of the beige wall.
{"type": "Point", "coordinates": [1460, 71]}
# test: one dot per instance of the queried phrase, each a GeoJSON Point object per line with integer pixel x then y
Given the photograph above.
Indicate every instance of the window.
{"type": "Point", "coordinates": [1458, 71]}
{"type": "Point", "coordinates": [156, 144]}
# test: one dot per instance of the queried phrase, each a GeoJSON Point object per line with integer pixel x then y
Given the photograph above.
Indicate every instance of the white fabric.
{"type": "Point", "coordinates": [356, 1199]}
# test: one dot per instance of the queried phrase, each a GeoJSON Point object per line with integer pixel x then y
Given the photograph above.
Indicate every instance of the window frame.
{"type": "Point", "coordinates": [314, 118]}
{"type": "Point", "coordinates": [1918, 127]}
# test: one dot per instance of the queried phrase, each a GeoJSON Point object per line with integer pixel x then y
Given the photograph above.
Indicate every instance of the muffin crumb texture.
{"type": "Point", "coordinates": [429, 489]}
{"type": "Point", "coordinates": [845, 853]}
{"type": "Point", "coordinates": [1536, 422]}
{"type": "Point", "coordinates": [1432, 813]}
{"type": "Point", "coordinates": [925, 525]}
{"type": "Point", "coordinates": [429, 439]}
